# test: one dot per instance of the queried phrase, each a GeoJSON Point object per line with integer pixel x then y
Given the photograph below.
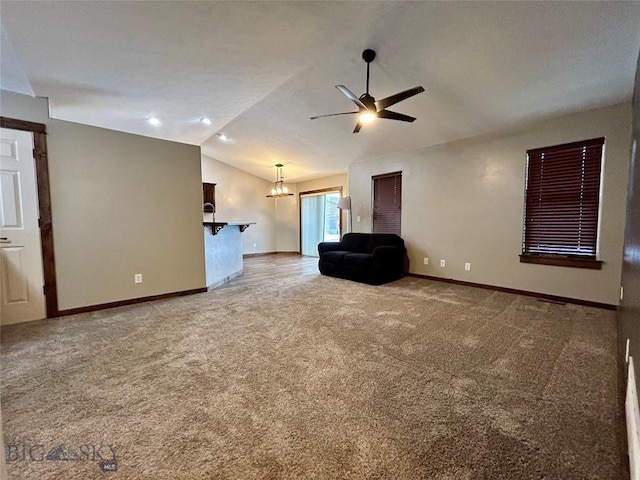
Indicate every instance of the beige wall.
{"type": "Point", "coordinates": [121, 204]}
{"type": "Point", "coordinates": [287, 221]}
{"type": "Point", "coordinates": [463, 202]}
{"type": "Point", "coordinates": [341, 180]}
{"type": "Point", "coordinates": [241, 197]}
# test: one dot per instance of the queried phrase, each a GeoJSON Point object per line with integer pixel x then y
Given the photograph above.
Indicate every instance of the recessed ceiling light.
{"type": "Point", "coordinates": [154, 121]}
{"type": "Point", "coordinates": [205, 120]}
{"type": "Point", "coordinates": [223, 137]}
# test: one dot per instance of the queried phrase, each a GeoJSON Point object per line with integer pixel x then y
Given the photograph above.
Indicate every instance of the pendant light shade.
{"type": "Point", "coordinates": [279, 190]}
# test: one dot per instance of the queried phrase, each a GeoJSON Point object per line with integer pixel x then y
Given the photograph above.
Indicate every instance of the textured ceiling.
{"type": "Point", "coordinates": [259, 70]}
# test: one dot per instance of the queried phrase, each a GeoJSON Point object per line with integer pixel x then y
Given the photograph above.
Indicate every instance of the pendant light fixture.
{"type": "Point", "coordinates": [279, 190]}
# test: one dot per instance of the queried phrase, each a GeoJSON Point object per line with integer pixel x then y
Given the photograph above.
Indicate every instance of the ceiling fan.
{"type": "Point", "coordinates": [370, 109]}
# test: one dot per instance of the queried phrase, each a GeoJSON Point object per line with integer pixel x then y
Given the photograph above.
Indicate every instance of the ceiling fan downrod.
{"type": "Point", "coordinates": [368, 56]}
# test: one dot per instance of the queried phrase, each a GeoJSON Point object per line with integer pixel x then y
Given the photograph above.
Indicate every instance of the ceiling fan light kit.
{"type": "Point", "coordinates": [279, 190]}
{"type": "Point", "coordinates": [368, 108]}
{"type": "Point", "coordinates": [367, 117]}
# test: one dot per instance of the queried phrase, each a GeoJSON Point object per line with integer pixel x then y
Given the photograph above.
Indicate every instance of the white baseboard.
{"type": "Point", "coordinates": [633, 422]}
{"type": "Point", "coordinates": [224, 280]}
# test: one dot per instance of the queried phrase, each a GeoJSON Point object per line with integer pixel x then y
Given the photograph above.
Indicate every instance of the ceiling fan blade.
{"type": "Point", "coordinates": [333, 115]}
{"type": "Point", "coordinates": [395, 116]}
{"type": "Point", "coordinates": [398, 97]}
{"type": "Point", "coordinates": [358, 127]}
{"type": "Point", "coordinates": [351, 96]}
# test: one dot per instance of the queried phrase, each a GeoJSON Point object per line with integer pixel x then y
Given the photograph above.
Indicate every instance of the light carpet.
{"type": "Point", "coordinates": [316, 377]}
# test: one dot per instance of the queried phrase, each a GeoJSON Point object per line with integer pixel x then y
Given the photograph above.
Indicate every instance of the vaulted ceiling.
{"type": "Point", "coordinates": [259, 70]}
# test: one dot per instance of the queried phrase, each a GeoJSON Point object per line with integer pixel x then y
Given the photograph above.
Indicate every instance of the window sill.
{"type": "Point", "coordinates": [560, 261]}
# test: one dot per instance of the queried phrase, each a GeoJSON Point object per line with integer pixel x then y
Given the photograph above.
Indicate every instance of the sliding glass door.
{"type": "Point", "coordinates": [319, 220]}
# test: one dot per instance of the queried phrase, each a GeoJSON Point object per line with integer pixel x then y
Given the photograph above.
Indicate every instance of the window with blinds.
{"type": "Point", "coordinates": [387, 203]}
{"type": "Point", "coordinates": [561, 204]}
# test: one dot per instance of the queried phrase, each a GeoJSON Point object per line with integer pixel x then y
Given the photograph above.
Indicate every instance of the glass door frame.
{"type": "Point", "coordinates": [315, 192]}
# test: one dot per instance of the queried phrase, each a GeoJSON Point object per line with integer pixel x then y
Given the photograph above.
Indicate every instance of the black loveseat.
{"type": "Point", "coordinates": [372, 258]}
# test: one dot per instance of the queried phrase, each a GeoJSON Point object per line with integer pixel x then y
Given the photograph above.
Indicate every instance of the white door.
{"type": "Point", "coordinates": [21, 276]}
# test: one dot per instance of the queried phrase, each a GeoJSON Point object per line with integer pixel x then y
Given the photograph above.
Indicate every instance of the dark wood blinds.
{"type": "Point", "coordinates": [562, 198]}
{"type": "Point", "coordinates": [387, 203]}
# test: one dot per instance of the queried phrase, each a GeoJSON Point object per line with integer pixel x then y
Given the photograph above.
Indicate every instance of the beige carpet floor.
{"type": "Point", "coordinates": [314, 377]}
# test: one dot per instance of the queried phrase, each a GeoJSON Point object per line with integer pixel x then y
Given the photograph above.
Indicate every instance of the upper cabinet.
{"type": "Point", "coordinates": [209, 198]}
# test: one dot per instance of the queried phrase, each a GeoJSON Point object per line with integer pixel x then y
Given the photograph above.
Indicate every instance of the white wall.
{"type": "Point", "coordinates": [121, 204]}
{"type": "Point", "coordinates": [241, 197]}
{"type": "Point", "coordinates": [223, 254]}
{"type": "Point", "coordinates": [463, 202]}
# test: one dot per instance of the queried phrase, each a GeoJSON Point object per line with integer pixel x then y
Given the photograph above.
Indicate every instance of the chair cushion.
{"type": "Point", "coordinates": [367, 242]}
{"type": "Point", "coordinates": [334, 256]}
{"type": "Point", "coordinates": [356, 242]}
{"type": "Point", "coordinates": [384, 239]}
{"type": "Point", "coordinates": [358, 259]}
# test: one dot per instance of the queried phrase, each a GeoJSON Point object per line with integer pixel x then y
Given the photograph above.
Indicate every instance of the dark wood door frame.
{"type": "Point", "coordinates": [314, 192]}
{"type": "Point", "coordinates": [39, 131]}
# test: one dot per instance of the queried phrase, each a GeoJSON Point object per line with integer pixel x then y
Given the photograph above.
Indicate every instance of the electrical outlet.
{"type": "Point", "coordinates": [426, 261]}
{"type": "Point", "coordinates": [137, 278]}
{"type": "Point", "coordinates": [467, 266]}
{"type": "Point", "coordinates": [255, 245]}
{"type": "Point", "coordinates": [358, 219]}
{"type": "Point", "coordinates": [442, 263]}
